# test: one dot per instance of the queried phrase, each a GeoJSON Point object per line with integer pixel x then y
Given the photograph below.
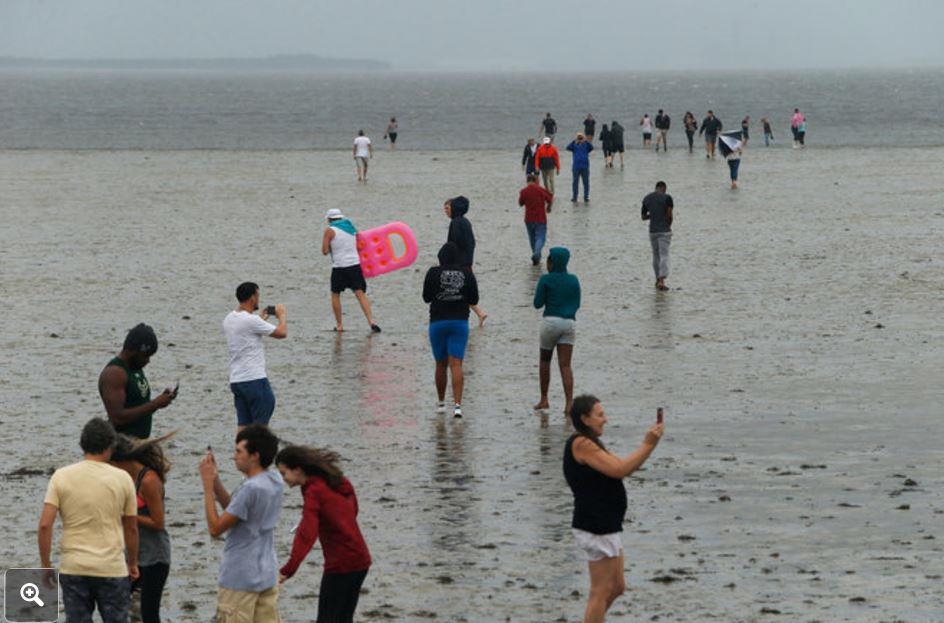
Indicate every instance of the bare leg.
{"type": "Point", "coordinates": [441, 367]}
{"type": "Point", "coordinates": [544, 377]}
{"type": "Point", "coordinates": [365, 306]}
{"type": "Point", "coordinates": [606, 584]}
{"type": "Point", "coordinates": [336, 308]}
{"type": "Point", "coordinates": [564, 354]}
{"type": "Point", "coordinates": [455, 368]}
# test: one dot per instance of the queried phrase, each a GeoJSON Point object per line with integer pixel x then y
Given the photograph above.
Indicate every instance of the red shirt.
{"type": "Point", "coordinates": [331, 516]}
{"type": "Point", "coordinates": [535, 200]}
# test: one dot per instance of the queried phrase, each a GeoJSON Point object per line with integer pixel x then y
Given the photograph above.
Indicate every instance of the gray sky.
{"type": "Point", "coordinates": [489, 34]}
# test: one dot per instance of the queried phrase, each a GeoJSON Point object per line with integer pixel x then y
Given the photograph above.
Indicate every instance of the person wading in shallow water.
{"type": "Point", "coordinates": [595, 476]}
{"type": "Point", "coordinates": [558, 292]}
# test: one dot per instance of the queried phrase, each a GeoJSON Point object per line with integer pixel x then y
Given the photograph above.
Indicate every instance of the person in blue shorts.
{"type": "Point", "coordinates": [449, 289]}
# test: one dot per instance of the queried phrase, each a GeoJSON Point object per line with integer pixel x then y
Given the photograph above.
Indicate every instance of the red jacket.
{"type": "Point", "coordinates": [331, 516]}
{"type": "Point", "coordinates": [546, 151]}
{"type": "Point", "coordinates": [535, 200]}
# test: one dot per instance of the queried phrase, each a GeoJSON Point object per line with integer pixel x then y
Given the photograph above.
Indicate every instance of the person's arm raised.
{"type": "Point", "coordinates": [588, 453]}
{"type": "Point", "coordinates": [111, 387]}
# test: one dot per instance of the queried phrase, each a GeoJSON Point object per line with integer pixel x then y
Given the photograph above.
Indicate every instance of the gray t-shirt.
{"type": "Point", "coordinates": [657, 205]}
{"type": "Point", "coordinates": [249, 562]}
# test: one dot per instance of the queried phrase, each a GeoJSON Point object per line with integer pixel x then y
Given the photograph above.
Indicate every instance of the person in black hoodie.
{"type": "Point", "coordinates": [460, 233]}
{"type": "Point", "coordinates": [450, 289]}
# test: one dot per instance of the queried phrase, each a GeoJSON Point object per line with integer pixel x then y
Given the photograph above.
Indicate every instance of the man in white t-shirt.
{"type": "Point", "coordinates": [244, 331]}
{"type": "Point", "coordinates": [363, 151]}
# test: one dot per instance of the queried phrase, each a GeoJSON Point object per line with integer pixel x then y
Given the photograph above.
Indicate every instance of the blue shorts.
{"type": "Point", "coordinates": [448, 338]}
{"type": "Point", "coordinates": [254, 401]}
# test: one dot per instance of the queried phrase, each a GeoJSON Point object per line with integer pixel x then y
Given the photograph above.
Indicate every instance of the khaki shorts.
{"type": "Point", "coordinates": [247, 606]}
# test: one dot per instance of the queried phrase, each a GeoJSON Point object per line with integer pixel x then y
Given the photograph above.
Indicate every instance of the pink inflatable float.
{"type": "Point", "coordinates": [376, 249]}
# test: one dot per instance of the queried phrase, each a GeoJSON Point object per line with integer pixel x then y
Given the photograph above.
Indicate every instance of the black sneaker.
{"type": "Point", "coordinates": [374, 328]}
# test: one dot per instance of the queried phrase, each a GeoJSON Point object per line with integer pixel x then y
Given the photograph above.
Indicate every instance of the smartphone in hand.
{"type": "Point", "coordinates": [659, 415]}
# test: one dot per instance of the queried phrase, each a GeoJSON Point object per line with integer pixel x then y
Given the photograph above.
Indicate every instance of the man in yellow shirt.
{"type": "Point", "coordinates": [98, 507]}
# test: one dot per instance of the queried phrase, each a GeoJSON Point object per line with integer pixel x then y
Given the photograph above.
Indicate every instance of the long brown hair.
{"type": "Point", "coordinates": [147, 452]}
{"type": "Point", "coordinates": [313, 461]}
{"type": "Point", "coordinates": [583, 405]}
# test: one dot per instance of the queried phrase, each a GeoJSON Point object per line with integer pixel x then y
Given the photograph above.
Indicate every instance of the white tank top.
{"type": "Point", "coordinates": [343, 249]}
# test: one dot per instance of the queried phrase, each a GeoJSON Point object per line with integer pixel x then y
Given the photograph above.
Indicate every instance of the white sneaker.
{"type": "Point", "coordinates": [441, 407]}
{"type": "Point", "coordinates": [457, 411]}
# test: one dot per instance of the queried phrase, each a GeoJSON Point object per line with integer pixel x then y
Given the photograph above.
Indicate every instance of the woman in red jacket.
{"type": "Point", "coordinates": [329, 513]}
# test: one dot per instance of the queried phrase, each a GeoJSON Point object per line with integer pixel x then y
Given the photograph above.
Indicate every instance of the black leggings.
{"type": "Point", "coordinates": [691, 138]}
{"type": "Point", "coordinates": [338, 596]}
{"type": "Point", "coordinates": [151, 584]}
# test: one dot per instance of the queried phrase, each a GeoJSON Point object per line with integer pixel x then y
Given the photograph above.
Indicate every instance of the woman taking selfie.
{"type": "Point", "coordinates": [329, 514]}
{"type": "Point", "coordinates": [595, 476]}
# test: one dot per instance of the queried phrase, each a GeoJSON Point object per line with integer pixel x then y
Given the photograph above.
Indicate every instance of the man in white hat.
{"type": "Point", "coordinates": [547, 161]}
{"type": "Point", "coordinates": [340, 241]}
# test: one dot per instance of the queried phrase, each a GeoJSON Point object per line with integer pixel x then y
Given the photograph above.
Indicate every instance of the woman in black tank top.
{"type": "Point", "coordinates": [595, 476]}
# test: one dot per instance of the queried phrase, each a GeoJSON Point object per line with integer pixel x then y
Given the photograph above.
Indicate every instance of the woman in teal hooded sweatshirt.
{"type": "Point", "coordinates": [558, 292]}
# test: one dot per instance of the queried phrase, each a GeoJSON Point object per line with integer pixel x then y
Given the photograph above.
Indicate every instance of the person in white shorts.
{"type": "Point", "coordinates": [595, 476]}
{"type": "Point", "coordinates": [363, 151]}
{"type": "Point", "coordinates": [558, 292]}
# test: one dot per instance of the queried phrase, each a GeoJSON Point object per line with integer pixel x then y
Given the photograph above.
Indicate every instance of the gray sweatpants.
{"type": "Point", "coordinates": [660, 253]}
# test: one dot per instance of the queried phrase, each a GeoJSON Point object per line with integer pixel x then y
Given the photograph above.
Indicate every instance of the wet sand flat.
{"type": "Point", "coordinates": [798, 356]}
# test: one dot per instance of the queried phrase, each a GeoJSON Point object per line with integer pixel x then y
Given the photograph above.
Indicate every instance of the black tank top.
{"type": "Point", "coordinates": [599, 501]}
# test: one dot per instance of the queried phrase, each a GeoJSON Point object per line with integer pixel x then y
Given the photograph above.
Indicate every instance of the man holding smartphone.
{"type": "Point", "coordinates": [252, 394]}
{"type": "Point", "coordinates": [125, 390]}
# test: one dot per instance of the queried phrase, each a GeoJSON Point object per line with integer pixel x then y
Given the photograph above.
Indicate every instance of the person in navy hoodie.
{"type": "Point", "coordinates": [580, 148]}
{"type": "Point", "coordinates": [460, 233]}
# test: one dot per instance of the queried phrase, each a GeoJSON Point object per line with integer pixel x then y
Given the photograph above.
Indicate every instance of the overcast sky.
{"type": "Point", "coordinates": [489, 34]}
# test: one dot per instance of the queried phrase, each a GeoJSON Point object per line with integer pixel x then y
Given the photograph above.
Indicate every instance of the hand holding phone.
{"type": "Point", "coordinates": [270, 310]}
{"type": "Point", "coordinates": [659, 415]}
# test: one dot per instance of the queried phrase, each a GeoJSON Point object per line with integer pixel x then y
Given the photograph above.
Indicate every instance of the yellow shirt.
{"type": "Point", "coordinates": [92, 497]}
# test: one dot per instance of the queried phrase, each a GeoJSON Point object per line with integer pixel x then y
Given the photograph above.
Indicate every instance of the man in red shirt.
{"type": "Point", "coordinates": [537, 203]}
{"type": "Point", "coordinates": [547, 161]}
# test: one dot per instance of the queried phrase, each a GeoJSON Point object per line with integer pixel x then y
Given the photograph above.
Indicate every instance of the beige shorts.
{"type": "Point", "coordinates": [596, 547]}
{"type": "Point", "coordinates": [247, 606]}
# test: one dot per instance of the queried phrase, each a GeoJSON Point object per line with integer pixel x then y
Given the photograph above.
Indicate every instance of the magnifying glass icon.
{"type": "Point", "coordinates": [30, 592]}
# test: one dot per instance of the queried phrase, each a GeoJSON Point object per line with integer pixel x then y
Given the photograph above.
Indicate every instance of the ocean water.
{"type": "Point", "coordinates": [798, 357]}
{"type": "Point", "coordinates": [111, 109]}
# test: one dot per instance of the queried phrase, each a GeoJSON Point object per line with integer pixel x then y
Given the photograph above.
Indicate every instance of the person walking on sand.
{"type": "Point", "coordinates": [363, 151]}
{"type": "Point", "coordinates": [645, 125]}
{"type": "Point", "coordinates": [663, 123]}
{"type": "Point", "coordinates": [460, 233]}
{"type": "Point", "coordinates": [537, 204]}
{"type": "Point", "coordinates": [595, 477]}
{"type": "Point", "coordinates": [450, 289]}
{"type": "Point", "coordinates": [691, 125]}
{"type": "Point", "coordinates": [244, 330]}
{"type": "Point", "coordinates": [616, 140]}
{"type": "Point", "coordinates": [528, 156]}
{"type": "Point", "coordinates": [711, 127]}
{"type": "Point", "coordinates": [589, 127]}
{"type": "Point", "coordinates": [657, 208]}
{"type": "Point", "coordinates": [746, 129]}
{"type": "Point", "coordinates": [125, 390]}
{"type": "Point", "coordinates": [145, 462]}
{"type": "Point", "coordinates": [248, 579]}
{"type": "Point", "coordinates": [548, 127]}
{"type": "Point", "coordinates": [99, 544]}
{"type": "Point", "coordinates": [606, 143]}
{"type": "Point", "coordinates": [391, 133]}
{"type": "Point", "coordinates": [797, 121]}
{"type": "Point", "coordinates": [558, 292]}
{"type": "Point", "coordinates": [768, 132]}
{"type": "Point", "coordinates": [547, 161]}
{"type": "Point", "coordinates": [734, 163]}
{"type": "Point", "coordinates": [340, 242]}
{"type": "Point", "coordinates": [329, 515]}
{"type": "Point", "coordinates": [580, 148]}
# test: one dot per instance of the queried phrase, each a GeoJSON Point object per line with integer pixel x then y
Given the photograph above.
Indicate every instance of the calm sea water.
{"type": "Point", "coordinates": [109, 109]}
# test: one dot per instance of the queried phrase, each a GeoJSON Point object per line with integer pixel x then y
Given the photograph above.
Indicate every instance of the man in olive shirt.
{"type": "Point", "coordinates": [124, 388]}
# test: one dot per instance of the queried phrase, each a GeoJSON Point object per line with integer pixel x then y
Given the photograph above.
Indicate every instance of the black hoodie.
{"type": "Point", "coordinates": [449, 288]}
{"type": "Point", "coordinates": [460, 231]}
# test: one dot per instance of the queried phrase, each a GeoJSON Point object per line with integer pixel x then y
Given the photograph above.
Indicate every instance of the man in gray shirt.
{"type": "Point", "coordinates": [657, 209]}
{"type": "Point", "coordinates": [249, 570]}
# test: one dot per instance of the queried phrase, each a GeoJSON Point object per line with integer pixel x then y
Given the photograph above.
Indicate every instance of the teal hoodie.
{"type": "Point", "coordinates": [558, 292]}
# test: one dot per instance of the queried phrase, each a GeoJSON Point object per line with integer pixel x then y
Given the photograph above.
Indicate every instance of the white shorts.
{"type": "Point", "coordinates": [598, 546]}
{"type": "Point", "coordinates": [556, 331]}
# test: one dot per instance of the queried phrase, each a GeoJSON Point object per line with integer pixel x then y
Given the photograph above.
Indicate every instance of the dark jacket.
{"type": "Point", "coordinates": [710, 125]}
{"type": "Point", "coordinates": [527, 158]}
{"type": "Point", "coordinates": [460, 231]}
{"type": "Point", "coordinates": [616, 135]}
{"type": "Point", "coordinates": [558, 291]}
{"type": "Point", "coordinates": [449, 288]}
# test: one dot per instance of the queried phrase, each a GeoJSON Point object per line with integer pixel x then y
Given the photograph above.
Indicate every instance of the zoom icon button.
{"type": "Point", "coordinates": [30, 596]}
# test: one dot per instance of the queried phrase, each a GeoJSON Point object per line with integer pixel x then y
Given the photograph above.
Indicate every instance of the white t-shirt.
{"type": "Point", "coordinates": [646, 124]}
{"type": "Point", "coordinates": [244, 333]}
{"type": "Point", "coordinates": [362, 144]}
